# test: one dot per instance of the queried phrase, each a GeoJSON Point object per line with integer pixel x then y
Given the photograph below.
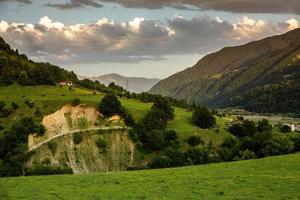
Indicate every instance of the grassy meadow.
{"type": "Point", "coordinates": [269, 178]}
{"type": "Point", "coordinates": [48, 99]}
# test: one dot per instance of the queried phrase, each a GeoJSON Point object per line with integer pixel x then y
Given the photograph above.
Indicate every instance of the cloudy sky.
{"type": "Point", "coordinates": [150, 38]}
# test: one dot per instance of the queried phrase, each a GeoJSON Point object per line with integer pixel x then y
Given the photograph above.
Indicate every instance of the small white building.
{"type": "Point", "coordinates": [64, 83]}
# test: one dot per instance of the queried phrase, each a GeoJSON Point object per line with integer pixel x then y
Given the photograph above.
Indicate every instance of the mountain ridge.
{"type": "Point", "coordinates": [132, 84]}
{"type": "Point", "coordinates": [218, 77]}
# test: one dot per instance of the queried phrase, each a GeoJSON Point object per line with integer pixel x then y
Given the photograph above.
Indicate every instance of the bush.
{"type": "Point", "coordinates": [5, 112]}
{"type": "Point", "coordinates": [40, 169]}
{"type": "Point", "coordinates": [203, 118]}
{"type": "Point", "coordinates": [296, 141]}
{"type": "Point", "coordinates": [76, 102]}
{"type": "Point", "coordinates": [77, 138]}
{"type": "Point", "coordinates": [2, 105]}
{"type": "Point", "coordinates": [285, 128]}
{"type": "Point", "coordinates": [195, 140]}
{"type": "Point", "coordinates": [14, 105]}
{"type": "Point", "coordinates": [101, 143]}
{"type": "Point", "coordinates": [40, 129]}
{"type": "Point", "coordinates": [30, 104]}
{"type": "Point", "coordinates": [110, 105]}
{"type": "Point", "coordinates": [52, 146]}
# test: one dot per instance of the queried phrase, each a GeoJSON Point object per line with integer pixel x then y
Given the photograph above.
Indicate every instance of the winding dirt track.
{"type": "Point", "coordinates": [75, 131]}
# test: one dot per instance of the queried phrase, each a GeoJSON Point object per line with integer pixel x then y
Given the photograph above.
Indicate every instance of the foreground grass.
{"type": "Point", "coordinates": [269, 178]}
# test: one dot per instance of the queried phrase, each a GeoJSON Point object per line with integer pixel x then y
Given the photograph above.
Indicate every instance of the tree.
{"type": "Point", "coordinates": [155, 140]}
{"type": "Point", "coordinates": [264, 125]}
{"type": "Point", "coordinates": [198, 156]}
{"type": "Point", "coordinates": [164, 105]}
{"type": "Point", "coordinates": [195, 140]}
{"type": "Point", "coordinates": [110, 105]}
{"type": "Point", "coordinates": [247, 128]}
{"type": "Point", "coordinates": [128, 118]}
{"type": "Point", "coordinates": [170, 137]}
{"type": "Point", "coordinates": [155, 119]}
{"type": "Point", "coordinates": [203, 118]}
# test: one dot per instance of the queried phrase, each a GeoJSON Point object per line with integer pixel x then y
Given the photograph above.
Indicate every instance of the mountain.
{"type": "Point", "coordinates": [132, 84]}
{"type": "Point", "coordinates": [231, 75]}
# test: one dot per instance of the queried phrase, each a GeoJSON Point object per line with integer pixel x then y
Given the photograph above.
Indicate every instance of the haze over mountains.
{"type": "Point", "coordinates": [234, 72]}
{"type": "Point", "coordinates": [132, 84]}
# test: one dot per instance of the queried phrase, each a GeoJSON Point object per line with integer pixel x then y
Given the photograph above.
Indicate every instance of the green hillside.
{"type": "Point", "coordinates": [268, 178]}
{"type": "Point", "coordinates": [48, 99]}
{"type": "Point", "coordinates": [241, 74]}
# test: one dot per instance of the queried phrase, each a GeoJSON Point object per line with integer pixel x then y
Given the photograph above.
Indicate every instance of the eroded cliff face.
{"type": "Point", "coordinates": [57, 146]}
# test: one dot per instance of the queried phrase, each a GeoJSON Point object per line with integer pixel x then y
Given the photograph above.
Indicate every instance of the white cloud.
{"type": "Point", "coordinates": [140, 39]}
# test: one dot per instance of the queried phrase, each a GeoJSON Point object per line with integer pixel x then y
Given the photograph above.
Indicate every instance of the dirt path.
{"type": "Point", "coordinates": [75, 131]}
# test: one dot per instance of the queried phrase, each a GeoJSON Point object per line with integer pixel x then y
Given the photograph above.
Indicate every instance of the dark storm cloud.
{"type": "Point", "coordinates": [235, 6]}
{"type": "Point", "coordinates": [76, 4]}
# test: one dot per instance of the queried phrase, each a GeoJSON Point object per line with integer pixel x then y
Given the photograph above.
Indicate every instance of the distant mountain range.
{"type": "Point", "coordinates": [132, 84]}
{"type": "Point", "coordinates": [262, 76]}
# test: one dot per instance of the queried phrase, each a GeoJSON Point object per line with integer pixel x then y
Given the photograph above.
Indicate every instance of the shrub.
{"type": "Point", "coordinates": [101, 143]}
{"type": "Point", "coordinates": [14, 105]}
{"type": "Point", "coordinates": [52, 146]}
{"type": "Point", "coordinates": [38, 113]}
{"type": "Point", "coordinates": [40, 169]}
{"type": "Point", "coordinates": [161, 162]}
{"type": "Point", "coordinates": [285, 128]}
{"type": "Point", "coordinates": [40, 129]}
{"type": "Point", "coordinates": [203, 118]}
{"type": "Point", "coordinates": [77, 138]}
{"type": "Point", "coordinates": [195, 140]}
{"type": "Point", "coordinates": [76, 102]}
{"type": "Point", "coordinates": [30, 104]}
{"type": "Point", "coordinates": [2, 105]}
{"type": "Point", "coordinates": [5, 112]}
{"type": "Point", "coordinates": [110, 105]}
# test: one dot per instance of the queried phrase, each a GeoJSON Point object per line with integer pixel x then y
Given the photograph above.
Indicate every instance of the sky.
{"type": "Point", "coordinates": [140, 38]}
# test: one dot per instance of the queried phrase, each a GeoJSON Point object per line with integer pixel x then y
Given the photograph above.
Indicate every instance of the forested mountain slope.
{"type": "Point", "coordinates": [227, 76]}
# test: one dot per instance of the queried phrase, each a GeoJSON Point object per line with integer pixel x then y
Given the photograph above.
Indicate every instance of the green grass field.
{"type": "Point", "coordinates": [269, 178]}
{"type": "Point", "coordinates": [48, 99]}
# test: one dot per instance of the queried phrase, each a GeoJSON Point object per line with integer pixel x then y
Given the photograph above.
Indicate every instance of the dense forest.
{"type": "Point", "coordinates": [282, 97]}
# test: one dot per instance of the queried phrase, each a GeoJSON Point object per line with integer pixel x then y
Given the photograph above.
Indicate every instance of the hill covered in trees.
{"type": "Point", "coordinates": [16, 67]}
{"type": "Point", "coordinates": [252, 76]}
